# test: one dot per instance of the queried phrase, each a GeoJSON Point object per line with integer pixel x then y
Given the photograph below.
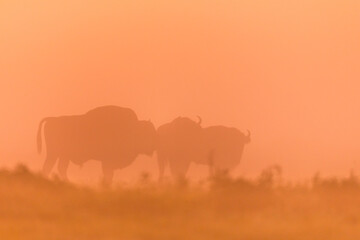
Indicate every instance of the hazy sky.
{"type": "Point", "coordinates": [287, 70]}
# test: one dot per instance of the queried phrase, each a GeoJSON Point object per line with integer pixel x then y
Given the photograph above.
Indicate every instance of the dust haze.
{"type": "Point", "coordinates": [287, 71]}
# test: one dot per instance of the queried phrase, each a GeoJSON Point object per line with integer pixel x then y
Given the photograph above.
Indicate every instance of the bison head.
{"type": "Point", "coordinates": [147, 137]}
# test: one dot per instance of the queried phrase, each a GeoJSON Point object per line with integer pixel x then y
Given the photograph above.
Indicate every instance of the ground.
{"type": "Point", "coordinates": [32, 207]}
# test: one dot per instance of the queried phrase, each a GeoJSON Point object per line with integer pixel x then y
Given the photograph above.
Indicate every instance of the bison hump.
{"type": "Point", "coordinates": [113, 112]}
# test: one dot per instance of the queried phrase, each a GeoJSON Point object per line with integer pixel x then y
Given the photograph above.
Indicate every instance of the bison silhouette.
{"type": "Point", "coordinates": [183, 141]}
{"type": "Point", "coordinates": [179, 143]}
{"type": "Point", "coordinates": [110, 134]}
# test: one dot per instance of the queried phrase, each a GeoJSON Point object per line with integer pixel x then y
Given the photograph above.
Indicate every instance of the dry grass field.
{"type": "Point", "coordinates": [32, 207]}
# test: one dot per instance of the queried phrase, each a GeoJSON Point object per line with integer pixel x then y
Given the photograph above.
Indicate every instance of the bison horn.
{"type": "Point", "coordinates": [200, 120]}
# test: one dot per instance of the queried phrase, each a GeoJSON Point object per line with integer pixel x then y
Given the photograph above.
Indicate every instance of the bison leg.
{"type": "Point", "coordinates": [162, 164]}
{"type": "Point", "coordinates": [179, 169]}
{"type": "Point", "coordinates": [211, 164]}
{"type": "Point", "coordinates": [49, 164]}
{"type": "Point", "coordinates": [108, 173]}
{"type": "Point", "coordinates": [63, 165]}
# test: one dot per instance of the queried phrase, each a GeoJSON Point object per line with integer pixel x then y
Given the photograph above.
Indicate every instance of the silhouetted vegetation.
{"type": "Point", "coordinates": [34, 207]}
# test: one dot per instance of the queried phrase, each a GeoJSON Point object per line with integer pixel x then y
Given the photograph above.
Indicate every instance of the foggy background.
{"type": "Point", "coordinates": [286, 70]}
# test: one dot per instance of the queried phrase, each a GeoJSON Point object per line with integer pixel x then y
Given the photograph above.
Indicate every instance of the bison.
{"type": "Point", "coordinates": [110, 134]}
{"type": "Point", "coordinates": [184, 141]}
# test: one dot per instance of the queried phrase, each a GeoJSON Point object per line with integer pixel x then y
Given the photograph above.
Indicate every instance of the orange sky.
{"type": "Point", "coordinates": [287, 70]}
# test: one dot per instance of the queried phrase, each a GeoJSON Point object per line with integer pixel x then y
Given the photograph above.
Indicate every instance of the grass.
{"type": "Point", "coordinates": [32, 207]}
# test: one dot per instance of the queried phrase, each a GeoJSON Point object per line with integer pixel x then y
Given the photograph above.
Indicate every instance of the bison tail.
{"type": "Point", "coordinates": [39, 140]}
